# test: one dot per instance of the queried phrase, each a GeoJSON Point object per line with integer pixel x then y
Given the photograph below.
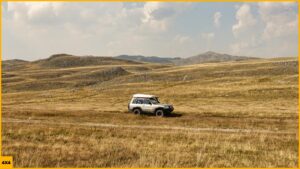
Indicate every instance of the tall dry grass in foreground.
{"type": "Point", "coordinates": [65, 146]}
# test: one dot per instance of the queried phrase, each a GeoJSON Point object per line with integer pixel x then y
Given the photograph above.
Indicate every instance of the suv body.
{"type": "Point", "coordinates": [149, 104]}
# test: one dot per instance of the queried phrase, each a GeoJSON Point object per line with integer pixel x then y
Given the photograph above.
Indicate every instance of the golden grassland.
{"type": "Point", "coordinates": [258, 95]}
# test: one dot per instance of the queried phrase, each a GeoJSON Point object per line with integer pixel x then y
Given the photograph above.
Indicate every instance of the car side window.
{"type": "Point", "coordinates": [137, 101]}
{"type": "Point", "coordinates": [147, 101]}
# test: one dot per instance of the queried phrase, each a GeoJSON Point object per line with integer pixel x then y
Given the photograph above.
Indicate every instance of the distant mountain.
{"type": "Point", "coordinates": [66, 60]}
{"type": "Point", "coordinates": [151, 59]}
{"type": "Point", "coordinates": [207, 57]}
{"type": "Point", "coordinates": [210, 57]}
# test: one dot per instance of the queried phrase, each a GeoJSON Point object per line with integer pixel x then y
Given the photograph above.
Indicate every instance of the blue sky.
{"type": "Point", "coordinates": [35, 30]}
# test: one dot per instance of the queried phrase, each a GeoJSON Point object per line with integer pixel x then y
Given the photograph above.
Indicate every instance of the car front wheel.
{"type": "Point", "coordinates": [159, 113]}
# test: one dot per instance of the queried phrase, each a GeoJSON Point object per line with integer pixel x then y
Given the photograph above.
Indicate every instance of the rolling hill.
{"type": "Point", "coordinates": [66, 60]}
{"type": "Point", "coordinates": [14, 64]}
{"type": "Point", "coordinates": [150, 59]}
{"type": "Point", "coordinates": [211, 57]}
{"type": "Point", "coordinates": [207, 57]}
{"type": "Point", "coordinates": [63, 61]}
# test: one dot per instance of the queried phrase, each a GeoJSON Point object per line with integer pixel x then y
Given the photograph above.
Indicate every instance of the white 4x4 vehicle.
{"type": "Point", "coordinates": [149, 104]}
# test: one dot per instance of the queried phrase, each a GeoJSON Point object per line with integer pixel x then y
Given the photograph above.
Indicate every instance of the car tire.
{"type": "Point", "coordinates": [159, 113]}
{"type": "Point", "coordinates": [137, 111]}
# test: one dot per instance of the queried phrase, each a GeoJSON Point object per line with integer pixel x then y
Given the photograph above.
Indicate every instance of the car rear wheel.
{"type": "Point", "coordinates": [137, 111]}
{"type": "Point", "coordinates": [159, 113]}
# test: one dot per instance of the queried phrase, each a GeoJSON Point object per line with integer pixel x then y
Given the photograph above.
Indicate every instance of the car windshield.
{"type": "Point", "coordinates": [154, 100]}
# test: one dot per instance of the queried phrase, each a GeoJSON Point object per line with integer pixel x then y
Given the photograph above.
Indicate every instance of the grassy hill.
{"type": "Point", "coordinates": [150, 59]}
{"type": "Point", "coordinates": [15, 64]}
{"type": "Point", "coordinates": [211, 57]}
{"type": "Point", "coordinates": [207, 57]}
{"type": "Point", "coordinates": [255, 95]}
{"type": "Point", "coordinates": [64, 61]}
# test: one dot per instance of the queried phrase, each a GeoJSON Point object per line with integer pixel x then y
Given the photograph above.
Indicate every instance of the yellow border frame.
{"type": "Point", "coordinates": [5, 159]}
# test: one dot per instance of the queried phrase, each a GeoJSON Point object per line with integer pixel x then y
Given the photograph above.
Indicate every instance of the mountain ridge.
{"type": "Point", "coordinates": [206, 57]}
{"type": "Point", "coordinates": [212, 57]}
{"type": "Point", "coordinates": [64, 60]}
{"type": "Point", "coordinates": [151, 59]}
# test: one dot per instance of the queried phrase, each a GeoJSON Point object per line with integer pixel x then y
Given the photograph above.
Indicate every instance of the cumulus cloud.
{"type": "Point", "coordinates": [159, 14]}
{"type": "Point", "coordinates": [245, 20]}
{"type": "Point", "coordinates": [162, 10]}
{"type": "Point", "coordinates": [68, 27]}
{"type": "Point", "coordinates": [39, 29]}
{"type": "Point", "coordinates": [279, 19]}
{"type": "Point", "coordinates": [217, 17]}
{"type": "Point", "coordinates": [59, 13]}
{"type": "Point", "coordinates": [275, 35]}
{"type": "Point", "coordinates": [245, 39]}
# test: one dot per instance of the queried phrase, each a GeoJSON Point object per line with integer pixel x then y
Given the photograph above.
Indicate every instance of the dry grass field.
{"type": "Point", "coordinates": [230, 114]}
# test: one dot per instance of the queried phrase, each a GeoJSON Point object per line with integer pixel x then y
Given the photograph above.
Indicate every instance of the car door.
{"type": "Point", "coordinates": [147, 106]}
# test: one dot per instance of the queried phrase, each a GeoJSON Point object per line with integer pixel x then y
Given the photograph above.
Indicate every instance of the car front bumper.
{"type": "Point", "coordinates": [169, 109]}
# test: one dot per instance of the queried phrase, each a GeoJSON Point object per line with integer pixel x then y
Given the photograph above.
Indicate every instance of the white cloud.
{"type": "Point", "coordinates": [69, 27]}
{"type": "Point", "coordinates": [89, 28]}
{"type": "Point", "coordinates": [279, 19]}
{"type": "Point", "coordinates": [50, 13]}
{"type": "Point", "coordinates": [275, 35]}
{"type": "Point", "coordinates": [159, 14]}
{"type": "Point", "coordinates": [245, 20]}
{"type": "Point", "coordinates": [217, 17]}
{"type": "Point", "coordinates": [162, 10]}
{"type": "Point", "coordinates": [39, 29]}
{"type": "Point", "coordinates": [35, 12]}
{"type": "Point", "coordinates": [245, 31]}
